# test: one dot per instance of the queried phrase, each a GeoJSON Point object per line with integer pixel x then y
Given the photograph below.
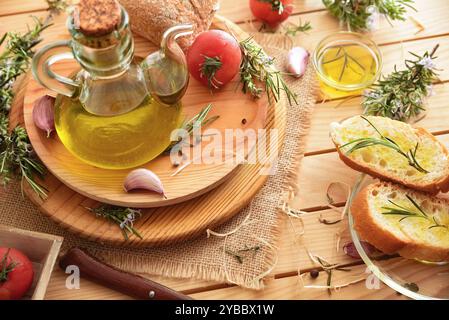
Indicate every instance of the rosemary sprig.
{"type": "Point", "coordinates": [256, 67]}
{"type": "Point", "coordinates": [414, 212]}
{"type": "Point", "coordinates": [209, 68]}
{"type": "Point", "coordinates": [329, 268]}
{"type": "Point", "coordinates": [5, 267]}
{"type": "Point", "coordinates": [241, 254]}
{"type": "Point", "coordinates": [293, 29]}
{"type": "Point", "coordinates": [356, 15]}
{"type": "Point", "coordinates": [16, 155]}
{"type": "Point", "coordinates": [199, 120]}
{"type": "Point", "coordinates": [401, 95]}
{"type": "Point", "coordinates": [123, 217]}
{"type": "Point", "coordinates": [361, 143]}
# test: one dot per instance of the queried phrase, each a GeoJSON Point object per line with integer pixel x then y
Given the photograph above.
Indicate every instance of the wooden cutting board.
{"type": "Point", "coordinates": [163, 225]}
{"type": "Point", "coordinates": [231, 105]}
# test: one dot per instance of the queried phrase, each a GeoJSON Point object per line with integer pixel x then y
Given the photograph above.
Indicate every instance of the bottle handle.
{"type": "Point", "coordinates": [45, 58]}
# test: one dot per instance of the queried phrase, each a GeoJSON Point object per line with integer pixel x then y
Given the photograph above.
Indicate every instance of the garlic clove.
{"type": "Point", "coordinates": [43, 114]}
{"type": "Point", "coordinates": [143, 179]}
{"type": "Point", "coordinates": [298, 58]}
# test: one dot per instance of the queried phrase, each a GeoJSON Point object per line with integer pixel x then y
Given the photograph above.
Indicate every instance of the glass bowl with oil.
{"type": "Point", "coordinates": [346, 62]}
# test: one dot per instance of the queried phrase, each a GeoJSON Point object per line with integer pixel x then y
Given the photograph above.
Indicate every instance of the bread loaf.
{"type": "Point", "coordinates": [150, 18]}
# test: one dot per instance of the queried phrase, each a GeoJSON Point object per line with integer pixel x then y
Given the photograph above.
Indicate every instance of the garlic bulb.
{"type": "Point", "coordinates": [298, 58]}
{"type": "Point", "coordinates": [43, 115]}
{"type": "Point", "coordinates": [143, 179]}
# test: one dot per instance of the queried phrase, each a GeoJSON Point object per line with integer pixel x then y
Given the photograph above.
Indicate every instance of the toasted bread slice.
{"type": "Point", "coordinates": [399, 220]}
{"type": "Point", "coordinates": [430, 173]}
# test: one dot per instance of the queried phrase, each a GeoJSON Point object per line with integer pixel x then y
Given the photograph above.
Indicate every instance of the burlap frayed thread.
{"type": "Point", "coordinates": [202, 258]}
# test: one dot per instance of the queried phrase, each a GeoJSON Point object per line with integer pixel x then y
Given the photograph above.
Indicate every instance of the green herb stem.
{"type": "Point", "coordinates": [123, 217]}
{"type": "Point", "coordinates": [415, 211]}
{"type": "Point", "coordinates": [257, 67]}
{"type": "Point", "coordinates": [361, 143]}
{"type": "Point", "coordinates": [401, 95]}
{"type": "Point", "coordinates": [355, 13]}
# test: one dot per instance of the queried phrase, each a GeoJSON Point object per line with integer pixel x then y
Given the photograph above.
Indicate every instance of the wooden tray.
{"type": "Point", "coordinates": [107, 185]}
{"type": "Point", "coordinates": [158, 226]}
{"type": "Point", "coordinates": [42, 250]}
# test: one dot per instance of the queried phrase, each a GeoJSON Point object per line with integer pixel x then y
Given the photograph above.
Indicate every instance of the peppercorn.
{"type": "Point", "coordinates": [314, 274]}
{"type": "Point", "coordinates": [243, 121]}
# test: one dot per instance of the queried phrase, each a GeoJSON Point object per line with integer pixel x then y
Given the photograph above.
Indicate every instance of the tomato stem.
{"type": "Point", "coordinates": [5, 267]}
{"type": "Point", "coordinates": [209, 68]}
{"type": "Point", "coordinates": [276, 5]}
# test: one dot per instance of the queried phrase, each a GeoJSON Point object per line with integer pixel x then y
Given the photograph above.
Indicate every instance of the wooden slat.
{"type": "Point", "coordinates": [325, 113]}
{"type": "Point", "coordinates": [89, 290]}
{"type": "Point", "coordinates": [290, 288]}
{"type": "Point", "coordinates": [431, 280]}
{"type": "Point", "coordinates": [11, 7]}
{"type": "Point", "coordinates": [433, 17]}
{"type": "Point", "coordinates": [239, 11]}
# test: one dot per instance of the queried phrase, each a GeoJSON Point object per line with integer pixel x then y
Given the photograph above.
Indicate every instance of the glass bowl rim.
{"type": "Point", "coordinates": [378, 273]}
{"type": "Point", "coordinates": [360, 36]}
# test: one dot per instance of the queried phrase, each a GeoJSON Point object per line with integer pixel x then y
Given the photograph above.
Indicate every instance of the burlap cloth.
{"type": "Point", "coordinates": [204, 258]}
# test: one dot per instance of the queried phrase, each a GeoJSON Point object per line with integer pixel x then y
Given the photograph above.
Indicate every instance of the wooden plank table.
{"type": "Point", "coordinates": [320, 166]}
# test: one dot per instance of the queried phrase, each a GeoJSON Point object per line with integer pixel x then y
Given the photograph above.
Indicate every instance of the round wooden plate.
{"type": "Point", "coordinates": [107, 185]}
{"type": "Point", "coordinates": [158, 226]}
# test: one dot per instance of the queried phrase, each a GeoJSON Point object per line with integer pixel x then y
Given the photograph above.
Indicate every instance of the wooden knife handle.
{"type": "Point", "coordinates": [119, 280]}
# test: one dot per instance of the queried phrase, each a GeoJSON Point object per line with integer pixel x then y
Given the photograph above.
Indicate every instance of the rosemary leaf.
{"type": "Point", "coordinates": [123, 217]}
{"type": "Point", "coordinates": [362, 143]}
{"type": "Point", "coordinates": [356, 15]}
{"type": "Point", "coordinates": [293, 29]}
{"type": "Point", "coordinates": [199, 120]}
{"type": "Point", "coordinates": [257, 67]}
{"type": "Point", "coordinates": [415, 211]}
{"type": "Point", "coordinates": [241, 254]}
{"type": "Point", "coordinates": [401, 95]}
{"type": "Point", "coordinates": [17, 158]}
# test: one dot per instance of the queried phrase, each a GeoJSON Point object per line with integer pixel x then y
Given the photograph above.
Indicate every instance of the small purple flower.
{"type": "Point", "coordinates": [267, 60]}
{"type": "Point", "coordinates": [129, 220]}
{"type": "Point", "coordinates": [372, 94]}
{"type": "Point", "coordinates": [427, 62]}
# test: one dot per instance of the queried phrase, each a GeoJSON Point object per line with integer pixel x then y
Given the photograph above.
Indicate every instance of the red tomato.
{"type": "Point", "coordinates": [271, 12]}
{"type": "Point", "coordinates": [16, 274]}
{"type": "Point", "coordinates": [214, 58]}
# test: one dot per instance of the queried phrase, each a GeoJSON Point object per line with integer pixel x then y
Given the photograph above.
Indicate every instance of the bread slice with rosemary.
{"type": "Point", "coordinates": [395, 219]}
{"type": "Point", "coordinates": [393, 151]}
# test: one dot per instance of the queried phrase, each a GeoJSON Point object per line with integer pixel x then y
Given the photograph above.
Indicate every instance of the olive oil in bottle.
{"type": "Point", "coordinates": [116, 142]}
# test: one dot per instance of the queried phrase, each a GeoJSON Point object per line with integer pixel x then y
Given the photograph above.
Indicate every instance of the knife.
{"type": "Point", "coordinates": [130, 284]}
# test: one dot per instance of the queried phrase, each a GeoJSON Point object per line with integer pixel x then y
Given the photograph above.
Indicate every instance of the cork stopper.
{"type": "Point", "coordinates": [97, 18]}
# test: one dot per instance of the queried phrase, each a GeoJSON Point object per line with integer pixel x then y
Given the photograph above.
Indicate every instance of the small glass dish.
{"type": "Point", "coordinates": [415, 279]}
{"type": "Point", "coordinates": [346, 62]}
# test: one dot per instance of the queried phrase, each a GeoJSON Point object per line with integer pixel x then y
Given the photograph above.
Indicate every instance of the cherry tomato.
{"type": "Point", "coordinates": [16, 274]}
{"type": "Point", "coordinates": [214, 58]}
{"type": "Point", "coordinates": [271, 12]}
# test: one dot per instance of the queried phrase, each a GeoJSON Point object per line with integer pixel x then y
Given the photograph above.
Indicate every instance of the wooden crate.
{"type": "Point", "coordinates": [42, 249]}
